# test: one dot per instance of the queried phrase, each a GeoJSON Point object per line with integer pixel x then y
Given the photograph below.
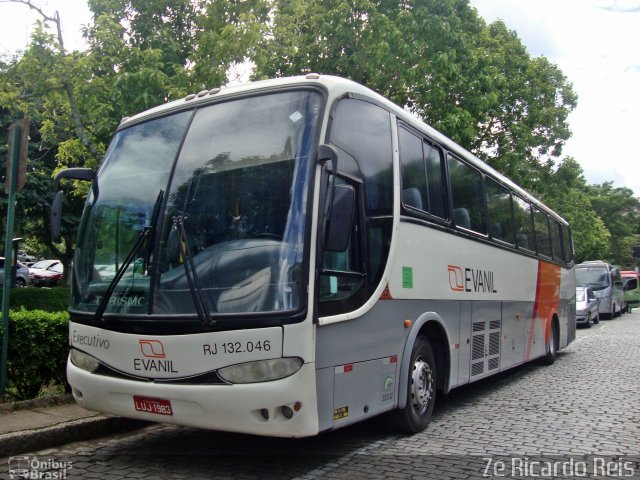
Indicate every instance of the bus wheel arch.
{"type": "Point", "coordinates": [424, 371]}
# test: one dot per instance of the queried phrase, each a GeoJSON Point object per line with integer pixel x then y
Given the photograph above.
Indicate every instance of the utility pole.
{"type": "Point", "coordinates": [15, 180]}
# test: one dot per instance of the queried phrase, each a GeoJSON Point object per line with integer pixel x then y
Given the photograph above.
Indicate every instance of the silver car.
{"type": "Point", "coordinates": [22, 274]}
{"type": "Point", "coordinates": [586, 307]}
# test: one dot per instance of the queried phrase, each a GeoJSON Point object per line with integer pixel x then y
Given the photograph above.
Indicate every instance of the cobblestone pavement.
{"type": "Point", "coordinates": [578, 418]}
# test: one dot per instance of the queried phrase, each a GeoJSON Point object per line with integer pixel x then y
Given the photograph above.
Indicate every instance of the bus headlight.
{"type": "Point", "coordinates": [261, 371]}
{"type": "Point", "coordinates": [84, 361]}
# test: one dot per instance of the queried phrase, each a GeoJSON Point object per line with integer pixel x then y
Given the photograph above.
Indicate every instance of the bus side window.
{"type": "Point", "coordinates": [341, 282]}
{"type": "Point", "coordinates": [556, 239]}
{"type": "Point", "coordinates": [363, 130]}
{"type": "Point", "coordinates": [567, 245]}
{"type": "Point", "coordinates": [500, 217]}
{"type": "Point", "coordinates": [541, 225]}
{"type": "Point", "coordinates": [361, 133]}
{"type": "Point", "coordinates": [468, 197]}
{"type": "Point", "coordinates": [423, 176]}
{"type": "Point", "coordinates": [524, 224]}
{"type": "Point", "coordinates": [436, 181]}
{"type": "Point", "coordinates": [414, 175]}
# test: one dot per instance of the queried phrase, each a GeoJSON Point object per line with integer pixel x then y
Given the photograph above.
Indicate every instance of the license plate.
{"type": "Point", "coordinates": [152, 405]}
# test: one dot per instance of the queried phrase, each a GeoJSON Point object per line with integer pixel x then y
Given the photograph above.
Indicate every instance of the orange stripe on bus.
{"type": "Point", "coordinates": [547, 301]}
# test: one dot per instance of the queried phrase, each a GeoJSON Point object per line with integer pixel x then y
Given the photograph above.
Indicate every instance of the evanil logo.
{"type": "Point", "coordinates": [476, 280]}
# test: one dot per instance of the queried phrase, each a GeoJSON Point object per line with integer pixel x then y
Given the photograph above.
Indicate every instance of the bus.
{"type": "Point", "coordinates": [606, 283]}
{"type": "Point", "coordinates": [295, 255]}
{"type": "Point", "coordinates": [631, 289]}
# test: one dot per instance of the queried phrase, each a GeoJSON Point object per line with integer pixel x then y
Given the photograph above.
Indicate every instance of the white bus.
{"type": "Point", "coordinates": [295, 255]}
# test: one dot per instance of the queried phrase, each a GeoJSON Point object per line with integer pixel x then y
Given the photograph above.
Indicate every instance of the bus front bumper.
{"type": "Point", "coordinates": [267, 408]}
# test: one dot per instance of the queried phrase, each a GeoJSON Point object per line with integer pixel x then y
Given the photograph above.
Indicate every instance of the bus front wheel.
{"type": "Point", "coordinates": [421, 389]}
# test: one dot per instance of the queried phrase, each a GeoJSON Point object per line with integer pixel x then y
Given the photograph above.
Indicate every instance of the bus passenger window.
{"type": "Point", "coordinates": [467, 195]}
{"type": "Point", "coordinates": [414, 177]}
{"type": "Point", "coordinates": [422, 175]}
{"type": "Point", "coordinates": [556, 240]}
{"type": "Point", "coordinates": [500, 219]}
{"type": "Point", "coordinates": [524, 224]}
{"type": "Point", "coordinates": [435, 179]}
{"type": "Point", "coordinates": [541, 224]}
{"type": "Point", "coordinates": [567, 245]}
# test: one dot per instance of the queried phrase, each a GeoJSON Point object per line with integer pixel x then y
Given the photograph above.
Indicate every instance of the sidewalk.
{"type": "Point", "coordinates": [43, 423]}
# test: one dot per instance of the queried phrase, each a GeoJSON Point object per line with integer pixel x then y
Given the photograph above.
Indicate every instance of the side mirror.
{"type": "Point", "coordinates": [86, 174]}
{"type": "Point", "coordinates": [340, 218]}
{"type": "Point", "coordinates": [328, 153]}
{"type": "Point", "coordinates": [56, 216]}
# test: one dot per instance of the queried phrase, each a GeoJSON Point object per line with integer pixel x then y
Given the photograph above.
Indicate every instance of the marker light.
{"type": "Point", "coordinates": [261, 371]}
{"type": "Point", "coordinates": [83, 361]}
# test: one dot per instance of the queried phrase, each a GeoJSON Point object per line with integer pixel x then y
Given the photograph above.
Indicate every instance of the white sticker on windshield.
{"type": "Point", "coordinates": [295, 116]}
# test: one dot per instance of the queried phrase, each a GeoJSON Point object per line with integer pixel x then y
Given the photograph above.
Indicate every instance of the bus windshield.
{"type": "Point", "coordinates": [217, 195]}
{"type": "Point", "coordinates": [596, 278]}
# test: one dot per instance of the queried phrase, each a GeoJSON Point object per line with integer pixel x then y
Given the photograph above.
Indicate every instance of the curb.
{"type": "Point", "coordinates": [66, 432]}
{"type": "Point", "coordinates": [36, 403]}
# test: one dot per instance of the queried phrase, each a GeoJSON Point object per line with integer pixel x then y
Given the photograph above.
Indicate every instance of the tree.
{"type": "Point", "coordinates": [620, 211]}
{"type": "Point", "coordinates": [141, 53]}
{"type": "Point", "coordinates": [564, 190]}
{"type": "Point", "coordinates": [475, 83]}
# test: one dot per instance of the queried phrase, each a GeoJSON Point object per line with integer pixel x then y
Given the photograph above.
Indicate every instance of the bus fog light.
{"type": "Point", "coordinates": [287, 412]}
{"type": "Point", "coordinates": [261, 371]}
{"type": "Point", "coordinates": [84, 361]}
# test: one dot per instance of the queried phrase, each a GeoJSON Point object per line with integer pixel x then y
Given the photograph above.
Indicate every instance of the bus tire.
{"type": "Point", "coordinates": [552, 345]}
{"type": "Point", "coordinates": [421, 390]}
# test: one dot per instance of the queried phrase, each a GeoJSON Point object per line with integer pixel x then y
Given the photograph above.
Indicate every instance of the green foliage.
{"type": "Point", "coordinates": [590, 235]}
{"type": "Point", "coordinates": [47, 299]}
{"type": "Point", "coordinates": [38, 348]}
{"type": "Point", "coordinates": [474, 81]}
{"type": "Point", "coordinates": [605, 220]}
{"type": "Point", "coordinates": [620, 212]}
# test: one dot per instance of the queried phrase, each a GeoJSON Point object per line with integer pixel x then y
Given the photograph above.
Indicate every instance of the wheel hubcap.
{"type": "Point", "coordinates": [421, 385]}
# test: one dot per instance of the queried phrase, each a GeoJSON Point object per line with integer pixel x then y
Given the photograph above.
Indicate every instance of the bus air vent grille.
{"type": "Point", "coordinates": [477, 351]}
{"type": "Point", "coordinates": [477, 369]}
{"type": "Point", "coordinates": [494, 363]}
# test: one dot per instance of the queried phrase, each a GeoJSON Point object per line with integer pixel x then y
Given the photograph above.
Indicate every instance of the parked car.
{"type": "Point", "coordinates": [46, 273]}
{"type": "Point", "coordinates": [41, 265]}
{"type": "Point", "coordinates": [25, 258]}
{"type": "Point", "coordinates": [586, 307]}
{"type": "Point", "coordinates": [631, 282]}
{"type": "Point", "coordinates": [22, 274]}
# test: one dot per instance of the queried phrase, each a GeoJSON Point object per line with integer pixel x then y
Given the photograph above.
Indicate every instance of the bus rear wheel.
{"type": "Point", "coordinates": [552, 345]}
{"type": "Point", "coordinates": [421, 389]}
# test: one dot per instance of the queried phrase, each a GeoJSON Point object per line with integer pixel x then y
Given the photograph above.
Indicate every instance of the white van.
{"type": "Point", "coordinates": [606, 282]}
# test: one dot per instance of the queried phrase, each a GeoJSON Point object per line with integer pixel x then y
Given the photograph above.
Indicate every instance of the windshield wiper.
{"type": "Point", "coordinates": [190, 272]}
{"type": "Point", "coordinates": [144, 234]}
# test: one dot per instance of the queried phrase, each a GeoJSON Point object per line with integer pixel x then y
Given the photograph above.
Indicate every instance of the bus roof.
{"type": "Point", "coordinates": [336, 87]}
